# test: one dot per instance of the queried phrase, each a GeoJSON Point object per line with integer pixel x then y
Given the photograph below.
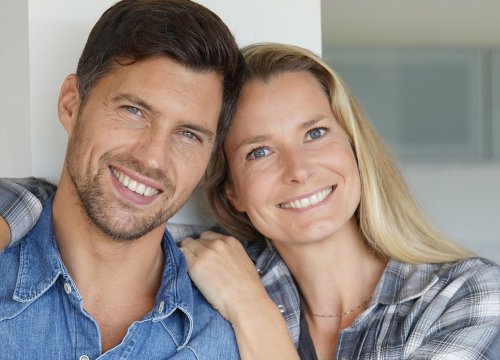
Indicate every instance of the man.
{"type": "Point", "coordinates": [98, 276]}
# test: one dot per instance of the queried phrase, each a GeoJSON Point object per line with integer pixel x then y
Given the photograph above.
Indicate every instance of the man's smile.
{"type": "Point", "coordinates": [134, 185]}
{"type": "Point", "coordinates": [134, 189]}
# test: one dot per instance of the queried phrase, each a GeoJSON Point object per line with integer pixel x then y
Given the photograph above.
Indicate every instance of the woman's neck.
{"type": "Point", "coordinates": [336, 274]}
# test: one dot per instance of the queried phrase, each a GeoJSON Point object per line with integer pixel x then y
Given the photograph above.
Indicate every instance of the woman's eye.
{"type": "Point", "coordinates": [258, 153]}
{"type": "Point", "coordinates": [134, 110]}
{"type": "Point", "coordinates": [316, 133]}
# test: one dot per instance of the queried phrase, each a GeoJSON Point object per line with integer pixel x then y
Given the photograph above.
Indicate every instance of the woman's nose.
{"type": "Point", "coordinates": [298, 168]}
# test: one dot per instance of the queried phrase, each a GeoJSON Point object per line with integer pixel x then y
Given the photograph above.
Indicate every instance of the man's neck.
{"type": "Point", "coordinates": [118, 280]}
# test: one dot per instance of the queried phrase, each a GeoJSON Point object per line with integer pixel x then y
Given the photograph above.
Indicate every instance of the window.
{"type": "Point", "coordinates": [427, 103]}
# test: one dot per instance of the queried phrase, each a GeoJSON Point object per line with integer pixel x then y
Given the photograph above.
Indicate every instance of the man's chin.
{"type": "Point", "coordinates": [127, 227]}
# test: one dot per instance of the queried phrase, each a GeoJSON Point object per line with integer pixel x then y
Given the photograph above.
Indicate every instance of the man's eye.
{"type": "Point", "coordinates": [134, 110]}
{"type": "Point", "coordinates": [258, 153]}
{"type": "Point", "coordinates": [189, 135]}
{"type": "Point", "coordinates": [316, 133]}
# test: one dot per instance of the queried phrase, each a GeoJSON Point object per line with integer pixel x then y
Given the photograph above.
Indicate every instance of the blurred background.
{"type": "Point", "coordinates": [427, 73]}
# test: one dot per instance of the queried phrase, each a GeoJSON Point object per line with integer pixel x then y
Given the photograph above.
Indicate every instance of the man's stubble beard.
{"type": "Point", "coordinates": [114, 217]}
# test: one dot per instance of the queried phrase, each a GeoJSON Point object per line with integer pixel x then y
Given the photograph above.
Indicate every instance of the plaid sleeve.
{"type": "Point", "coordinates": [469, 328]}
{"type": "Point", "coordinates": [181, 231]}
{"type": "Point", "coordinates": [21, 204]}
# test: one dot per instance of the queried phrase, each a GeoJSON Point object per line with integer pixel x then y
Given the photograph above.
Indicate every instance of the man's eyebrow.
{"type": "Point", "coordinates": [254, 140]}
{"type": "Point", "coordinates": [209, 134]}
{"type": "Point", "coordinates": [310, 123]}
{"type": "Point", "coordinates": [134, 100]}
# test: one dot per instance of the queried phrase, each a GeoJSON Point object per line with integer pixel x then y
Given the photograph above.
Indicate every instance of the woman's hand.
{"type": "Point", "coordinates": [225, 275]}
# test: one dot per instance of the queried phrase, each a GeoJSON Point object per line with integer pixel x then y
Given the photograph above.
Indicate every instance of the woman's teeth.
{"type": "Point", "coordinates": [305, 202]}
{"type": "Point", "coordinates": [133, 185]}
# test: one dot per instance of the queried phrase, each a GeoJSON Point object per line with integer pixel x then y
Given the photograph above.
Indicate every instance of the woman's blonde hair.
{"type": "Point", "coordinates": [388, 216]}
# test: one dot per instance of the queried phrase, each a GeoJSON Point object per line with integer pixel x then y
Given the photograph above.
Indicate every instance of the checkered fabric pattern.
{"type": "Point", "coordinates": [20, 203]}
{"type": "Point", "coordinates": [417, 311]}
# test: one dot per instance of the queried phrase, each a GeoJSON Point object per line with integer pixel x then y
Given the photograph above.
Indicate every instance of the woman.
{"type": "Point", "coordinates": [369, 277]}
{"type": "Point", "coordinates": [339, 244]}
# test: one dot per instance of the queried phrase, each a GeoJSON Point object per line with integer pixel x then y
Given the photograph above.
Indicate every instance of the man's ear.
{"type": "Point", "coordinates": [69, 104]}
{"type": "Point", "coordinates": [233, 199]}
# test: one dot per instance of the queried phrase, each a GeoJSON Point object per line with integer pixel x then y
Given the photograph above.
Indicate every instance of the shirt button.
{"type": "Point", "coordinates": [84, 357]}
{"type": "Point", "coordinates": [259, 271]}
{"type": "Point", "coordinates": [345, 358]}
{"type": "Point", "coordinates": [67, 289]}
{"type": "Point", "coordinates": [160, 308]}
{"type": "Point", "coordinates": [281, 308]}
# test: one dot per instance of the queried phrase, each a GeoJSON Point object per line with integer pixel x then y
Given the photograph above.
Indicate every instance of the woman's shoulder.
{"type": "Point", "coordinates": [452, 308]}
{"type": "Point", "coordinates": [472, 280]}
{"type": "Point", "coordinates": [404, 281]}
{"type": "Point", "coordinates": [470, 268]}
{"type": "Point", "coordinates": [471, 277]}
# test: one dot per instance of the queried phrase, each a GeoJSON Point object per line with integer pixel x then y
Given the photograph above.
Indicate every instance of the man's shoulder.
{"type": "Point", "coordinates": [9, 263]}
{"type": "Point", "coordinates": [9, 268]}
{"type": "Point", "coordinates": [212, 334]}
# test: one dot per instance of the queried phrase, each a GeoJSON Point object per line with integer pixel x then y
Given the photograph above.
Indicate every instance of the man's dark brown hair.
{"type": "Point", "coordinates": [186, 32]}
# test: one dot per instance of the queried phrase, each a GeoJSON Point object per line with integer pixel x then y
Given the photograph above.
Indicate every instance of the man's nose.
{"type": "Point", "coordinates": [298, 167]}
{"type": "Point", "coordinates": [153, 148]}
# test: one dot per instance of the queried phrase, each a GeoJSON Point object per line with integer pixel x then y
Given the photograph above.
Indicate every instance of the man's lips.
{"type": "Point", "coordinates": [308, 200]}
{"type": "Point", "coordinates": [134, 184]}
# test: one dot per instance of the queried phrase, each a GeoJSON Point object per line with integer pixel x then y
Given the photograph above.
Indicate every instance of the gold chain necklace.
{"type": "Point", "coordinates": [363, 305]}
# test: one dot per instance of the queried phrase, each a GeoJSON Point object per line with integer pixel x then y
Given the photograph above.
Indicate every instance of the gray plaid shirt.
{"type": "Point", "coordinates": [422, 311]}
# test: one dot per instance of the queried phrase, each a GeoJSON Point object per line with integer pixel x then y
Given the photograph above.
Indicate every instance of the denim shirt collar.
{"type": "Point", "coordinates": [40, 261]}
{"type": "Point", "coordinates": [41, 265]}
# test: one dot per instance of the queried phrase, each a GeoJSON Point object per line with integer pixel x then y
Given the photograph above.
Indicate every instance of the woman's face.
{"type": "Point", "coordinates": [292, 166]}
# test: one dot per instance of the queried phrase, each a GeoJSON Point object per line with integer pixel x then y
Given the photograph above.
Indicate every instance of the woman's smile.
{"type": "Point", "coordinates": [307, 201]}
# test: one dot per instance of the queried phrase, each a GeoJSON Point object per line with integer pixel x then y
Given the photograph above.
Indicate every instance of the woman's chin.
{"type": "Point", "coordinates": [316, 232]}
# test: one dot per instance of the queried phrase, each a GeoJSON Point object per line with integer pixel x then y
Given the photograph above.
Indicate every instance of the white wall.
{"type": "Point", "coordinates": [58, 30]}
{"type": "Point", "coordinates": [463, 199]}
{"type": "Point", "coordinates": [15, 129]}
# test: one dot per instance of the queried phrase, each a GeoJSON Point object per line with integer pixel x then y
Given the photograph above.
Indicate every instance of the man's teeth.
{"type": "Point", "coordinates": [302, 203]}
{"type": "Point", "coordinates": [133, 185]}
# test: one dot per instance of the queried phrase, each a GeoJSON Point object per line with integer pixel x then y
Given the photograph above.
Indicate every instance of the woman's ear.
{"type": "Point", "coordinates": [69, 104]}
{"type": "Point", "coordinates": [233, 199]}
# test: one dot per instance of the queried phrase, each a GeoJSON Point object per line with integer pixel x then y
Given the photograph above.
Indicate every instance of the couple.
{"type": "Point", "coordinates": [340, 262]}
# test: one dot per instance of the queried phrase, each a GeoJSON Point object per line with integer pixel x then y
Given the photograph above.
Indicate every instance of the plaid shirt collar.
{"type": "Point", "coordinates": [400, 282]}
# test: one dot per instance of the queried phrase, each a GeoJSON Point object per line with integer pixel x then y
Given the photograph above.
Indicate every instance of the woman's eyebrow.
{"type": "Point", "coordinates": [261, 138]}
{"type": "Point", "coordinates": [254, 140]}
{"type": "Point", "coordinates": [310, 123]}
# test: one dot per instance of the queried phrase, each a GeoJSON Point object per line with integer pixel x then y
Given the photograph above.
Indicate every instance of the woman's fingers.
{"type": "Point", "coordinates": [190, 257]}
{"type": "Point", "coordinates": [223, 272]}
{"type": "Point", "coordinates": [211, 235]}
{"type": "Point", "coordinates": [215, 240]}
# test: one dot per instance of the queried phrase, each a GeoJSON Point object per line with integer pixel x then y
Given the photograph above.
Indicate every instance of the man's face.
{"type": "Point", "coordinates": [142, 143]}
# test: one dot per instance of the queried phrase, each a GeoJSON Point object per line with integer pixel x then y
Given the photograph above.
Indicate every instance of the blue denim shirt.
{"type": "Point", "coordinates": [41, 312]}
